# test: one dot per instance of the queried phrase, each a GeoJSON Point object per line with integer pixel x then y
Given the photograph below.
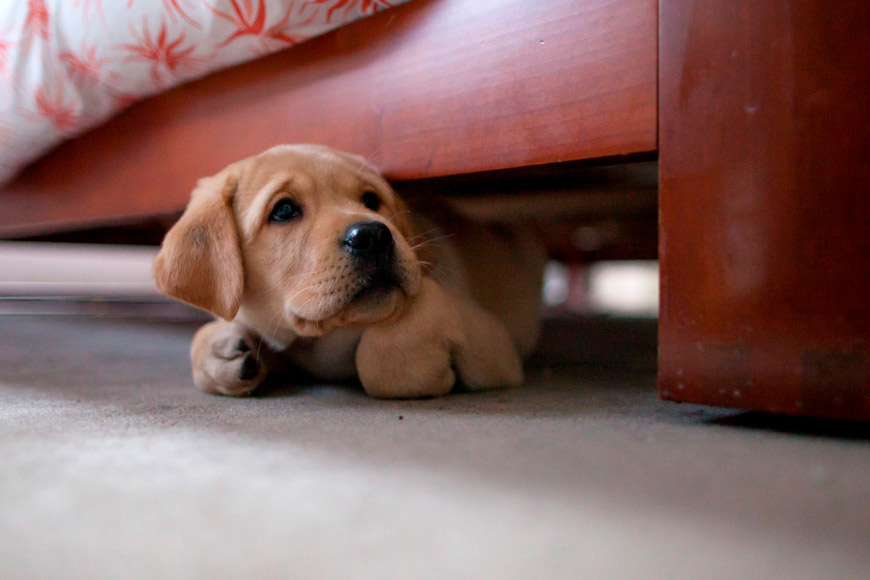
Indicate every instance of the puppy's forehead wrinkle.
{"type": "Point", "coordinates": [356, 212]}
{"type": "Point", "coordinates": [256, 210]}
{"type": "Point", "coordinates": [319, 159]}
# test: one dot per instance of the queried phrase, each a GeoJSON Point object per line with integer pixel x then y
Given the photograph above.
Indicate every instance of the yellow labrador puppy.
{"type": "Point", "coordinates": [309, 259]}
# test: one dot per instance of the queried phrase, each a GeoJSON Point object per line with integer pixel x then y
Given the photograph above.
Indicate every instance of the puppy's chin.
{"type": "Point", "coordinates": [368, 306]}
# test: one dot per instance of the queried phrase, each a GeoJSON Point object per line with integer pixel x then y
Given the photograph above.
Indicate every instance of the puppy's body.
{"type": "Point", "coordinates": [311, 259]}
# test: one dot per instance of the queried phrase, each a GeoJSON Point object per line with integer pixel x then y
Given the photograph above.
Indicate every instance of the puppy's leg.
{"type": "Point", "coordinates": [485, 355]}
{"type": "Point", "coordinates": [410, 356]}
{"type": "Point", "coordinates": [415, 355]}
{"type": "Point", "coordinates": [226, 360]}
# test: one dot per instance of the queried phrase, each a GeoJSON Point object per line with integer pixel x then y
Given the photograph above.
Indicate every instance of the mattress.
{"type": "Point", "coordinates": [68, 65]}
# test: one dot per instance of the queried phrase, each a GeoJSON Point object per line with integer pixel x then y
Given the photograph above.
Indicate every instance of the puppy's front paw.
{"type": "Point", "coordinates": [389, 369]}
{"type": "Point", "coordinates": [411, 356]}
{"type": "Point", "coordinates": [225, 360]}
{"type": "Point", "coordinates": [436, 339]}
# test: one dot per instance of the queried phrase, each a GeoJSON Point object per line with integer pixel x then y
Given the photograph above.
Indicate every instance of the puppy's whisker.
{"type": "Point", "coordinates": [432, 242]}
{"type": "Point", "coordinates": [277, 324]}
{"type": "Point", "coordinates": [439, 238]}
{"type": "Point", "coordinates": [308, 301]}
{"type": "Point", "coordinates": [311, 286]}
{"type": "Point", "coordinates": [280, 283]}
{"type": "Point", "coordinates": [397, 214]}
{"type": "Point", "coordinates": [275, 286]}
{"type": "Point", "coordinates": [306, 289]}
{"type": "Point", "coordinates": [422, 235]}
{"type": "Point", "coordinates": [280, 315]}
{"type": "Point", "coordinates": [321, 303]}
{"type": "Point", "coordinates": [434, 239]}
{"type": "Point", "coordinates": [321, 296]}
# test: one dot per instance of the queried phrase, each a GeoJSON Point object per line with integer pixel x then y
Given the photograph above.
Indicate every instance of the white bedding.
{"type": "Point", "coordinates": [67, 65]}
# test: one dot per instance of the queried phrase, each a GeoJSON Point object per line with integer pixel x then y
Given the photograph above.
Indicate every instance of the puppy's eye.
{"type": "Point", "coordinates": [284, 211]}
{"type": "Point", "coordinates": [371, 200]}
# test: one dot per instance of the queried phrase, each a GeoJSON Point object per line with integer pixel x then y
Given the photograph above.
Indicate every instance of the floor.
{"type": "Point", "coordinates": [113, 466]}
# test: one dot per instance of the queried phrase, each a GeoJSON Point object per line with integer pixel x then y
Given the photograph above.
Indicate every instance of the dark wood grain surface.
{"type": "Point", "coordinates": [765, 205]}
{"type": "Point", "coordinates": [430, 88]}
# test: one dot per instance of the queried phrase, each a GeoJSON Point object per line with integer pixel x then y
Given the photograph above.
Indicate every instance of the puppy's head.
{"type": "Point", "coordinates": [313, 237]}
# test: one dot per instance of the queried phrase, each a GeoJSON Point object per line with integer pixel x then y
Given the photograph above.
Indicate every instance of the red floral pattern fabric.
{"type": "Point", "coordinates": [67, 65]}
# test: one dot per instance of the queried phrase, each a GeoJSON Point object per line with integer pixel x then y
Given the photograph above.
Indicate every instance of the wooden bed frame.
{"type": "Point", "coordinates": [756, 111]}
{"type": "Point", "coordinates": [429, 88]}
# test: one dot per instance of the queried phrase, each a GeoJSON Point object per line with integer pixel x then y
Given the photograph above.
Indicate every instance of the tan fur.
{"type": "Point", "coordinates": [200, 262]}
{"type": "Point", "coordinates": [289, 292]}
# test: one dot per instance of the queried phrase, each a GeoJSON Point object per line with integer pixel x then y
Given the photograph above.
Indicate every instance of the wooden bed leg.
{"type": "Point", "coordinates": [765, 205]}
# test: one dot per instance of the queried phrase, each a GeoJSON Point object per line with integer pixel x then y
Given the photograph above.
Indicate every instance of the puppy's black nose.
{"type": "Point", "coordinates": [369, 240]}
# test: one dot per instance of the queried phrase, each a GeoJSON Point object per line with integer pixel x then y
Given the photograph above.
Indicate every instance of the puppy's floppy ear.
{"type": "Point", "coordinates": [201, 261]}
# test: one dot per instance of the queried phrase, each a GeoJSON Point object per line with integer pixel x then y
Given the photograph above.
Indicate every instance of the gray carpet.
{"type": "Point", "coordinates": [114, 467]}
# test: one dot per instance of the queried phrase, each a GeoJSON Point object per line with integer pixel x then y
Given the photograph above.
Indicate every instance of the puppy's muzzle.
{"type": "Point", "coordinates": [373, 249]}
